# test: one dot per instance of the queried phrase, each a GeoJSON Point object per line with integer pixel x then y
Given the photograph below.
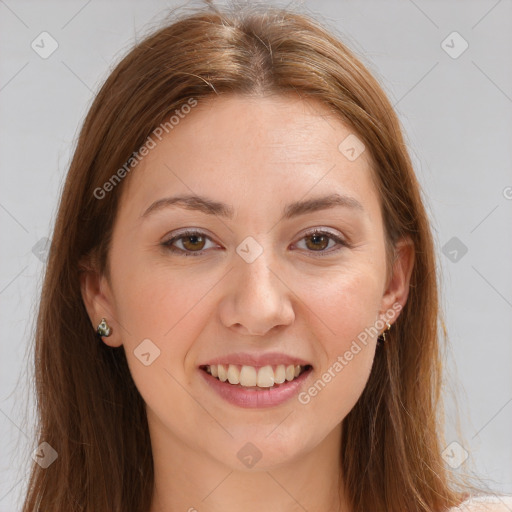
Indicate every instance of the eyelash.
{"type": "Point", "coordinates": [185, 234]}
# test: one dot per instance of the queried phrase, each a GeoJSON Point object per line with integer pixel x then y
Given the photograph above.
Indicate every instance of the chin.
{"type": "Point", "coordinates": [263, 451]}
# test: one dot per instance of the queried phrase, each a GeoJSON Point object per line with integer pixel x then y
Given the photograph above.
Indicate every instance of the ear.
{"type": "Point", "coordinates": [397, 288]}
{"type": "Point", "coordinates": [97, 297]}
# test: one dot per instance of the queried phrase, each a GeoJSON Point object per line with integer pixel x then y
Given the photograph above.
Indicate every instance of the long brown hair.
{"type": "Point", "coordinates": [89, 409]}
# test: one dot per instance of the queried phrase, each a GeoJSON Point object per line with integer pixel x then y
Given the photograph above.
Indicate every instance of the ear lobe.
{"type": "Point", "coordinates": [397, 289]}
{"type": "Point", "coordinates": [97, 303]}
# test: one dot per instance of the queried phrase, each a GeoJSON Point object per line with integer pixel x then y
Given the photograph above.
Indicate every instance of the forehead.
{"type": "Point", "coordinates": [237, 148]}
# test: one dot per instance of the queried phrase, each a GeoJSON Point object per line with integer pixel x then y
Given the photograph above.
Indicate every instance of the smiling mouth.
{"type": "Point", "coordinates": [251, 377]}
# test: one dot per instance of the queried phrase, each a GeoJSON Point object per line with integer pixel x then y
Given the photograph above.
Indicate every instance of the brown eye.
{"type": "Point", "coordinates": [318, 241]}
{"type": "Point", "coordinates": [192, 243]}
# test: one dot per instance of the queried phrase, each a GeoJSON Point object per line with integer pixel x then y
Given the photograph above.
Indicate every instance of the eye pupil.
{"type": "Point", "coordinates": [194, 239]}
{"type": "Point", "coordinates": [316, 238]}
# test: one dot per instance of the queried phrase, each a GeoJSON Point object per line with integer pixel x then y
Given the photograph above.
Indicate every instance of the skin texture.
{"type": "Point", "coordinates": [256, 154]}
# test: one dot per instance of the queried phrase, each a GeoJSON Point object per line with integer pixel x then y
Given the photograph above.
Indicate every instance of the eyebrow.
{"type": "Point", "coordinates": [211, 207]}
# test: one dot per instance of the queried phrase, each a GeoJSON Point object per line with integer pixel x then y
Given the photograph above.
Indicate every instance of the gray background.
{"type": "Point", "coordinates": [456, 113]}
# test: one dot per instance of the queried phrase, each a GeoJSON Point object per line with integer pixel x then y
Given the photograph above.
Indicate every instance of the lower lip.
{"type": "Point", "coordinates": [256, 398]}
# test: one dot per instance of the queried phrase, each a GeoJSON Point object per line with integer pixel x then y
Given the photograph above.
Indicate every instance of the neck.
{"type": "Point", "coordinates": [186, 480]}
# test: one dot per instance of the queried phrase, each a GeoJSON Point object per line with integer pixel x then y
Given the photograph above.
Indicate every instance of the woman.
{"type": "Point", "coordinates": [293, 362]}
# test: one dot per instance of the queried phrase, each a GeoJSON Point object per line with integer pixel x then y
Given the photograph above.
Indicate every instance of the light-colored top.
{"type": "Point", "coordinates": [489, 503]}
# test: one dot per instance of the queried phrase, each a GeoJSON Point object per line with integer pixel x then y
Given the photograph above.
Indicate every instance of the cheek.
{"type": "Point", "coordinates": [156, 301]}
{"type": "Point", "coordinates": [162, 312]}
{"type": "Point", "coordinates": [345, 306]}
{"type": "Point", "coordinates": [339, 381]}
{"type": "Point", "coordinates": [331, 396]}
{"type": "Point", "coordinates": [342, 302]}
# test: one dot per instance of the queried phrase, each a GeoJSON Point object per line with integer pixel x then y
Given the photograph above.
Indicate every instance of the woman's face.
{"type": "Point", "coordinates": [253, 286]}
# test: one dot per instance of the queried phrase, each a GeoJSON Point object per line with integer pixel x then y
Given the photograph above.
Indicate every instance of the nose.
{"type": "Point", "coordinates": [257, 298]}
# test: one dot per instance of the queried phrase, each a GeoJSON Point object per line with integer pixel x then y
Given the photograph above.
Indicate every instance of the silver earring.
{"type": "Point", "coordinates": [382, 337]}
{"type": "Point", "coordinates": [103, 328]}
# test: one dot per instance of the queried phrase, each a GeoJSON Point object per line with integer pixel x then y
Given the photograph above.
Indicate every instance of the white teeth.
{"type": "Point", "coordinates": [249, 376]}
{"type": "Point", "coordinates": [222, 373]}
{"type": "Point", "coordinates": [233, 374]}
{"type": "Point", "coordinates": [265, 377]}
{"type": "Point", "coordinates": [290, 372]}
{"type": "Point", "coordinates": [280, 374]}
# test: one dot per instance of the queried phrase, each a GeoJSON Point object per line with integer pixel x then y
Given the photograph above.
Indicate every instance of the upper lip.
{"type": "Point", "coordinates": [246, 359]}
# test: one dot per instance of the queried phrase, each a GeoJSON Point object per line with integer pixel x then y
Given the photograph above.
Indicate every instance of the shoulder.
{"type": "Point", "coordinates": [490, 503]}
